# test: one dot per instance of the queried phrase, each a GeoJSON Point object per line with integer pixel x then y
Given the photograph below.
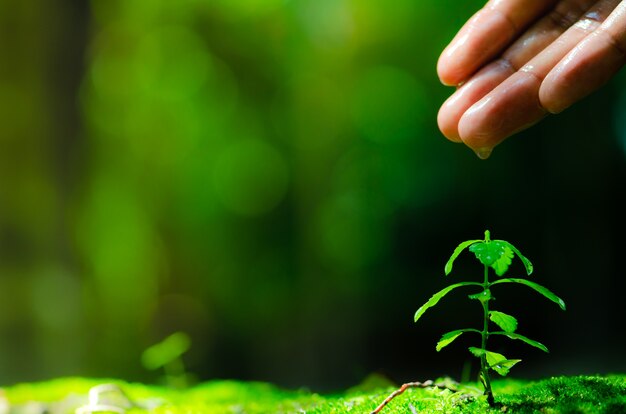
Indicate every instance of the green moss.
{"type": "Point", "coordinates": [564, 395]}
{"type": "Point", "coordinates": [570, 395]}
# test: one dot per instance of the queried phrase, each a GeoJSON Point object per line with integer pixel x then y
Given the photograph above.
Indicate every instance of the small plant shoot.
{"type": "Point", "coordinates": [496, 255]}
{"type": "Point", "coordinates": [167, 355]}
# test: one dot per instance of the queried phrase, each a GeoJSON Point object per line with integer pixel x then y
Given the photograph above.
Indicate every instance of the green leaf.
{"type": "Point", "coordinates": [495, 254]}
{"type": "Point", "coordinates": [504, 321]}
{"type": "Point", "coordinates": [522, 338]}
{"type": "Point", "coordinates": [456, 254]}
{"type": "Point", "coordinates": [499, 362]}
{"type": "Point", "coordinates": [449, 337]}
{"type": "Point", "coordinates": [437, 297]}
{"type": "Point", "coordinates": [494, 357]}
{"type": "Point", "coordinates": [502, 367]}
{"type": "Point", "coordinates": [527, 264]}
{"type": "Point", "coordinates": [495, 361]}
{"type": "Point", "coordinates": [502, 264]}
{"type": "Point", "coordinates": [477, 352]}
{"type": "Point", "coordinates": [544, 291]}
{"type": "Point", "coordinates": [166, 351]}
{"type": "Point", "coordinates": [484, 296]}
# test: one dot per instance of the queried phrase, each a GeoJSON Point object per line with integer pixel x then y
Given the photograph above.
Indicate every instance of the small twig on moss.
{"type": "Point", "coordinates": [405, 387]}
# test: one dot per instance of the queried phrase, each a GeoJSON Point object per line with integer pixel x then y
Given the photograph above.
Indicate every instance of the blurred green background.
{"type": "Point", "coordinates": [267, 176]}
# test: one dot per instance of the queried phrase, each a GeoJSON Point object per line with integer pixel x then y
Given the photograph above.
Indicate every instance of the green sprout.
{"type": "Point", "coordinates": [167, 354]}
{"type": "Point", "coordinates": [498, 255]}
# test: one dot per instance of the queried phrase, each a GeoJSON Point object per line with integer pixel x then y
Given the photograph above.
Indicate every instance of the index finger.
{"type": "Point", "coordinates": [485, 35]}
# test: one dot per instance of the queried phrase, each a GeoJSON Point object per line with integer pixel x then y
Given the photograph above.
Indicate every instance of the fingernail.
{"type": "Point", "coordinates": [483, 153]}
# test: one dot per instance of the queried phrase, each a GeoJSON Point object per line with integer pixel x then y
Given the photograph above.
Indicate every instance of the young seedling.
{"type": "Point", "coordinates": [497, 255]}
{"type": "Point", "coordinates": [167, 354]}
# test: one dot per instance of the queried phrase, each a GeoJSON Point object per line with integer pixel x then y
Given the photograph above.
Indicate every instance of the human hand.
{"type": "Point", "coordinates": [516, 61]}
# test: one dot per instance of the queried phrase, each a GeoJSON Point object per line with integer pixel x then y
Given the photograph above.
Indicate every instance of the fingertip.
{"type": "Point", "coordinates": [473, 133]}
{"type": "Point", "coordinates": [469, 94]}
{"type": "Point", "coordinates": [482, 124]}
{"type": "Point", "coordinates": [556, 90]}
{"type": "Point", "coordinates": [447, 120]}
{"type": "Point", "coordinates": [550, 99]}
{"type": "Point", "coordinates": [477, 43]}
{"type": "Point", "coordinates": [451, 135]}
{"type": "Point", "coordinates": [448, 73]}
{"type": "Point", "coordinates": [508, 109]}
{"type": "Point", "coordinates": [482, 129]}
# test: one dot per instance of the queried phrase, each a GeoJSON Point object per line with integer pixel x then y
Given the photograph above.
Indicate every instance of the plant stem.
{"type": "Point", "coordinates": [175, 374]}
{"type": "Point", "coordinates": [484, 368]}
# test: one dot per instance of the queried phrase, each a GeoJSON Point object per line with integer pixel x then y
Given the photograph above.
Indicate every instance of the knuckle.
{"type": "Point", "coordinates": [567, 13]}
{"type": "Point", "coordinates": [562, 19]}
{"type": "Point", "coordinates": [614, 42]}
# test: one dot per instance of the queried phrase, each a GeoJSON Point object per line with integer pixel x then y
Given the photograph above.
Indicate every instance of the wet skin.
{"type": "Point", "coordinates": [516, 61]}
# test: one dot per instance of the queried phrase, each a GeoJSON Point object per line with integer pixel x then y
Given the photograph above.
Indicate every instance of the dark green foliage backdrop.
{"type": "Point", "coordinates": [267, 176]}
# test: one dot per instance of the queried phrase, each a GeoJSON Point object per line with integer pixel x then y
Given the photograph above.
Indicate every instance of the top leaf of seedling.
{"type": "Point", "coordinates": [495, 254]}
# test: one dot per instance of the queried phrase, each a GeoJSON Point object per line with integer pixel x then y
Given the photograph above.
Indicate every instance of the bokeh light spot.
{"type": "Point", "coordinates": [176, 62]}
{"type": "Point", "coordinates": [170, 62]}
{"type": "Point", "coordinates": [329, 23]}
{"type": "Point", "coordinates": [117, 236]}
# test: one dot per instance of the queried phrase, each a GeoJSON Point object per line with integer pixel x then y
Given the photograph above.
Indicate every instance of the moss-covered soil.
{"type": "Point", "coordinates": [581, 394]}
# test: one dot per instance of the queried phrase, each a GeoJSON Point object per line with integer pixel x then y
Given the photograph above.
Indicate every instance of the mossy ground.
{"type": "Point", "coordinates": [568, 395]}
